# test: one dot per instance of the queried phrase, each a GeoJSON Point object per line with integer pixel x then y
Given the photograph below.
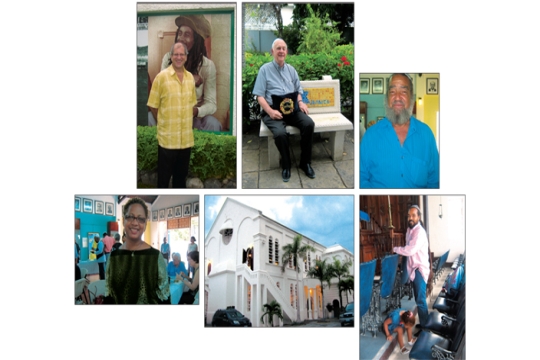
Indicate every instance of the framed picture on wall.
{"type": "Point", "coordinates": [154, 215]}
{"type": "Point", "coordinates": [88, 206]}
{"type": "Point", "coordinates": [170, 213]}
{"type": "Point", "coordinates": [98, 206]}
{"type": "Point", "coordinates": [210, 39]}
{"type": "Point", "coordinates": [77, 204]}
{"type": "Point", "coordinates": [109, 209]}
{"type": "Point", "coordinates": [432, 86]}
{"type": "Point", "coordinates": [187, 210]}
{"type": "Point", "coordinates": [178, 211]}
{"type": "Point", "coordinates": [161, 214]}
{"type": "Point", "coordinates": [364, 86]}
{"type": "Point", "coordinates": [377, 86]}
{"type": "Point", "coordinates": [196, 208]}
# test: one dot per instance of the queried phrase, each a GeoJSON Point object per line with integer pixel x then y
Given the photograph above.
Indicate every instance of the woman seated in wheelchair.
{"type": "Point", "coordinates": [397, 322]}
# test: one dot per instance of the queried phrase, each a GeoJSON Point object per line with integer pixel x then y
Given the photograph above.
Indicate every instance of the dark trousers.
{"type": "Point", "coordinates": [101, 271]}
{"type": "Point", "coordinates": [175, 163]}
{"type": "Point", "coordinates": [187, 298]}
{"type": "Point", "coordinates": [278, 128]}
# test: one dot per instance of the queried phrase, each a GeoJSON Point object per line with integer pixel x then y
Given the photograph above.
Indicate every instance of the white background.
{"type": "Point", "coordinates": [68, 127]}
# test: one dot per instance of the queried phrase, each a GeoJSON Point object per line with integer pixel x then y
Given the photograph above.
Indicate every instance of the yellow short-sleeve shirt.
{"type": "Point", "coordinates": [175, 101]}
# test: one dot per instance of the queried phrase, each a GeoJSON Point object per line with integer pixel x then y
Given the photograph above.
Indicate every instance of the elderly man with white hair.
{"type": "Point", "coordinates": [176, 267]}
{"type": "Point", "coordinates": [279, 93]}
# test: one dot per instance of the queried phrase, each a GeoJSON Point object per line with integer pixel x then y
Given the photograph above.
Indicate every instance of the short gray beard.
{"type": "Point", "coordinates": [399, 118]}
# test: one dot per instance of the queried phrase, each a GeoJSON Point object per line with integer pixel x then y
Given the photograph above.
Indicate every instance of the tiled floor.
{"type": "Point", "coordinates": [378, 348]}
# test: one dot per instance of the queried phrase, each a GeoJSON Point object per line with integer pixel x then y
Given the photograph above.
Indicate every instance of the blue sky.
{"type": "Point", "coordinates": [328, 220]}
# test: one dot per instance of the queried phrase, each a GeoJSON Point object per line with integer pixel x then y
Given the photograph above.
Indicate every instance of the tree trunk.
{"type": "Point", "coordinates": [297, 296]}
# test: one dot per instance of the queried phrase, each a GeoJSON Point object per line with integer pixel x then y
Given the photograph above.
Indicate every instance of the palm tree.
{"type": "Point", "coordinates": [271, 309]}
{"type": "Point", "coordinates": [347, 284]}
{"type": "Point", "coordinates": [340, 269]}
{"type": "Point", "coordinates": [295, 251]}
{"type": "Point", "coordinates": [323, 272]}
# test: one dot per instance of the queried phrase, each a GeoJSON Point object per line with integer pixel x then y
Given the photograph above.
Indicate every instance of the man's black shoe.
{"type": "Point", "coordinates": [308, 170]}
{"type": "Point", "coordinates": [286, 174]}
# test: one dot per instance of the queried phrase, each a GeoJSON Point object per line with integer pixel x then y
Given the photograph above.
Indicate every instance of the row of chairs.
{"type": "Point", "coordinates": [374, 291]}
{"type": "Point", "coordinates": [443, 336]}
{"type": "Point", "coordinates": [458, 261]}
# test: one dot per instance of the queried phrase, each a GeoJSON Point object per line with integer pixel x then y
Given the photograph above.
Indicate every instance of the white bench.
{"type": "Point", "coordinates": [323, 100]}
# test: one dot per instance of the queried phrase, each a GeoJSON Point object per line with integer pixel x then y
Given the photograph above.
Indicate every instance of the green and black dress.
{"type": "Point", "coordinates": [137, 277]}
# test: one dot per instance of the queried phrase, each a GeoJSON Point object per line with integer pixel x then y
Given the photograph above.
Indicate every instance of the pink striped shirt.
{"type": "Point", "coordinates": [416, 251]}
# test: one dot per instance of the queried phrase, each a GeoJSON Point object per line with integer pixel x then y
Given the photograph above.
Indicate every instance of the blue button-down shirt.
{"type": "Point", "coordinates": [275, 80]}
{"type": "Point", "coordinates": [386, 164]}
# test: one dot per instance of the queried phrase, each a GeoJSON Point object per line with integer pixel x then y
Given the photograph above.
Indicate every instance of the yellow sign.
{"type": "Point", "coordinates": [319, 97]}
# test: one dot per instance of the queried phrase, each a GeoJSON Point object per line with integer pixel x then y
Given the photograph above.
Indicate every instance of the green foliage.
{"type": "Point", "coordinates": [271, 309]}
{"type": "Point", "coordinates": [250, 106]}
{"type": "Point", "coordinates": [346, 285]}
{"type": "Point", "coordinates": [322, 271]}
{"type": "Point", "coordinates": [147, 148]}
{"type": "Point", "coordinates": [212, 156]}
{"type": "Point", "coordinates": [291, 37]}
{"type": "Point", "coordinates": [319, 35]}
{"type": "Point", "coordinates": [340, 269]}
{"type": "Point", "coordinates": [339, 64]}
{"type": "Point", "coordinates": [296, 250]}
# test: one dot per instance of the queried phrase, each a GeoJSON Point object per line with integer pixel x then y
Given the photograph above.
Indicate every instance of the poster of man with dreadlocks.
{"type": "Point", "coordinates": [208, 36]}
{"type": "Point", "coordinates": [193, 30]}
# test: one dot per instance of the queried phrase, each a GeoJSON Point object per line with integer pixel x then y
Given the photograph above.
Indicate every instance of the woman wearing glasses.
{"type": "Point", "coordinates": [136, 272]}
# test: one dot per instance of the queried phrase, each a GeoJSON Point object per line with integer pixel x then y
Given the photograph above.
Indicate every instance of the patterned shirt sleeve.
{"type": "Point", "coordinates": [163, 279]}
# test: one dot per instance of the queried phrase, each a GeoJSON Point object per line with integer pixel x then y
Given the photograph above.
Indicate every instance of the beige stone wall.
{"type": "Point", "coordinates": [161, 32]}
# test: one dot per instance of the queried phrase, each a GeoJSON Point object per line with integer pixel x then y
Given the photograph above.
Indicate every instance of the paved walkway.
{"type": "Point", "coordinates": [329, 174]}
{"type": "Point", "coordinates": [330, 322]}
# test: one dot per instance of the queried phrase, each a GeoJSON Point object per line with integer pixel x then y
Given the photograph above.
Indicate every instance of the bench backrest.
{"type": "Point", "coordinates": [322, 96]}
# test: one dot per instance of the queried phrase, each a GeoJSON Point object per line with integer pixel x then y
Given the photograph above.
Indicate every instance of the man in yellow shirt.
{"type": "Point", "coordinates": [171, 101]}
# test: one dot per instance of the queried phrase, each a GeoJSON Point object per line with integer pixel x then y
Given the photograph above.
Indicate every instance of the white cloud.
{"type": "Point", "coordinates": [279, 208]}
{"type": "Point", "coordinates": [214, 209]}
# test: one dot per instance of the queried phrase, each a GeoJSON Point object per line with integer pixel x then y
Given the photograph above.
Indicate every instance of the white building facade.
{"type": "Point", "coordinates": [243, 268]}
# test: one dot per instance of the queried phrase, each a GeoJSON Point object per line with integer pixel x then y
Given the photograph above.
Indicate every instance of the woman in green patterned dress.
{"type": "Point", "coordinates": [136, 272]}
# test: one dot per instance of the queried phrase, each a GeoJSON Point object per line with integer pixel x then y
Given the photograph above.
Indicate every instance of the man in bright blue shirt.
{"type": "Point", "coordinates": [279, 80]}
{"type": "Point", "coordinates": [399, 151]}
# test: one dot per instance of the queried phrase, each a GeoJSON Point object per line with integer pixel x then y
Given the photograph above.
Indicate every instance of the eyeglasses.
{"type": "Point", "coordinates": [179, 55]}
{"type": "Point", "coordinates": [130, 219]}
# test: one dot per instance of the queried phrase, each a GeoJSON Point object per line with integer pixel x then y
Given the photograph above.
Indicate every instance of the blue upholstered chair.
{"type": "Point", "coordinates": [405, 287]}
{"type": "Point", "coordinates": [367, 273]}
{"type": "Point", "coordinates": [388, 279]}
{"type": "Point", "coordinates": [440, 323]}
{"type": "Point", "coordinates": [430, 345]}
{"type": "Point", "coordinates": [450, 306]}
{"type": "Point", "coordinates": [440, 265]}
